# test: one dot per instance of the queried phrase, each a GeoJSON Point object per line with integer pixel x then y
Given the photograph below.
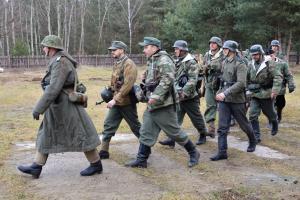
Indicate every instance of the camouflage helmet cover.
{"type": "Point", "coordinates": [52, 41]}
{"type": "Point", "coordinates": [231, 45]}
{"type": "Point", "coordinates": [275, 43]}
{"type": "Point", "coordinates": [255, 49]}
{"type": "Point", "coordinates": [216, 40]}
{"type": "Point", "coordinates": [181, 44]}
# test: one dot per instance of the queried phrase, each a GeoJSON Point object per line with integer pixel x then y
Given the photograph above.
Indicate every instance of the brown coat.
{"type": "Point", "coordinates": [122, 80]}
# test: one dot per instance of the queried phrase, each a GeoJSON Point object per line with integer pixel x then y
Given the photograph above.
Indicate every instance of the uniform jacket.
{"type": "Point", "coordinates": [187, 66]}
{"type": "Point", "coordinates": [234, 79]}
{"type": "Point", "coordinates": [212, 65]}
{"type": "Point", "coordinates": [267, 76]}
{"type": "Point", "coordinates": [66, 126]}
{"type": "Point", "coordinates": [288, 78]}
{"type": "Point", "coordinates": [123, 78]}
{"type": "Point", "coordinates": [161, 69]}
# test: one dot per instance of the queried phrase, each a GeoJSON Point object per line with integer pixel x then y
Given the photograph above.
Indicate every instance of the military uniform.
{"type": "Point", "coordinates": [66, 125]}
{"type": "Point", "coordinates": [122, 80]}
{"type": "Point", "coordinates": [264, 78]}
{"type": "Point", "coordinates": [160, 115]}
{"type": "Point", "coordinates": [288, 79]}
{"type": "Point", "coordinates": [212, 67]}
{"type": "Point", "coordinates": [232, 85]}
{"type": "Point", "coordinates": [186, 77]}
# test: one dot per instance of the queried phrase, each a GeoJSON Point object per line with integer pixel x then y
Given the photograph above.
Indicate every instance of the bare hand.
{"type": "Point", "coordinates": [220, 97]}
{"type": "Point", "coordinates": [151, 101]}
{"type": "Point", "coordinates": [111, 103]}
{"type": "Point", "coordinates": [273, 95]}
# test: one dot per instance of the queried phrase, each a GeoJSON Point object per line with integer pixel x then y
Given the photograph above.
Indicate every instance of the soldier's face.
{"type": "Point", "coordinates": [46, 50]}
{"type": "Point", "coordinates": [177, 52]}
{"type": "Point", "coordinates": [149, 50]}
{"type": "Point", "coordinates": [275, 48]}
{"type": "Point", "coordinates": [116, 53]}
{"type": "Point", "coordinates": [226, 52]}
{"type": "Point", "coordinates": [256, 57]}
{"type": "Point", "coordinates": [213, 46]}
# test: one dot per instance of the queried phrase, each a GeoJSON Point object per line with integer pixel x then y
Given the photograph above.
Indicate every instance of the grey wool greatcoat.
{"type": "Point", "coordinates": [66, 126]}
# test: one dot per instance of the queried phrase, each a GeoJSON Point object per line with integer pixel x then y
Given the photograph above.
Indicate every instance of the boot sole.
{"type": "Point", "coordinates": [32, 173]}
{"type": "Point", "coordinates": [99, 172]}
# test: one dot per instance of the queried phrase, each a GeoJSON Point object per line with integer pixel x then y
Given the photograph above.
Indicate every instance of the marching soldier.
{"type": "Point", "coordinates": [66, 125]}
{"type": "Point", "coordinates": [264, 84]}
{"type": "Point", "coordinates": [231, 98]}
{"type": "Point", "coordinates": [161, 109]}
{"type": "Point", "coordinates": [186, 78]}
{"type": "Point", "coordinates": [288, 80]}
{"type": "Point", "coordinates": [212, 63]}
{"type": "Point", "coordinates": [122, 105]}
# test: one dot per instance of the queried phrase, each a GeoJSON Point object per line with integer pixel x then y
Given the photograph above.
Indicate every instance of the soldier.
{"type": "Point", "coordinates": [186, 77]}
{"type": "Point", "coordinates": [288, 79]}
{"type": "Point", "coordinates": [231, 98]}
{"type": "Point", "coordinates": [121, 106]}
{"type": "Point", "coordinates": [66, 125]}
{"type": "Point", "coordinates": [264, 84]}
{"type": "Point", "coordinates": [275, 45]}
{"type": "Point", "coordinates": [212, 67]}
{"type": "Point", "coordinates": [161, 110]}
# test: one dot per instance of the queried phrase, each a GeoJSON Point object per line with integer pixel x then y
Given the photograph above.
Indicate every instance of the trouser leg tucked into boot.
{"type": "Point", "coordinates": [252, 142]}
{"type": "Point", "coordinates": [142, 156]}
{"type": "Point", "coordinates": [274, 127]}
{"type": "Point", "coordinates": [104, 154]}
{"type": "Point", "coordinates": [95, 163]}
{"type": "Point", "coordinates": [35, 168]}
{"type": "Point", "coordinates": [256, 129]}
{"type": "Point", "coordinates": [202, 139]}
{"type": "Point", "coordinates": [193, 152]}
{"type": "Point", "coordinates": [222, 146]}
{"type": "Point", "coordinates": [168, 142]}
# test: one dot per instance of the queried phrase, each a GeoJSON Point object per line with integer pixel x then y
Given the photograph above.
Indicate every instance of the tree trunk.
{"type": "Point", "coordinates": [83, 12]}
{"type": "Point", "coordinates": [5, 28]}
{"type": "Point", "coordinates": [101, 22]}
{"type": "Point", "coordinates": [288, 49]}
{"type": "Point", "coordinates": [69, 28]}
{"type": "Point", "coordinates": [65, 32]}
{"type": "Point", "coordinates": [48, 17]}
{"type": "Point", "coordinates": [20, 22]}
{"type": "Point", "coordinates": [13, 23]}
{"type": "Point", "coordinates": [58, 19]}
{"type": "Point", "coordinates": [31, 28]}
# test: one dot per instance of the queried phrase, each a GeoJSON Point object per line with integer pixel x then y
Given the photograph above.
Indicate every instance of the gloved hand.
{"type": "Point", "coordinates": [36, 115]}
{"type": "Point", "coordinates": [291, 89]}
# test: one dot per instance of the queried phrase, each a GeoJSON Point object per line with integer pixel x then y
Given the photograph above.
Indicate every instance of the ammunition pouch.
{"type": "Point", "coordinates": [150, 87]}
{"type": "Point", "coordinates": [183, 79]}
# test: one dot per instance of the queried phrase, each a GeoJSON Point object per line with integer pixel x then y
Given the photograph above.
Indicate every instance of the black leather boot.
{"type": "Point", "coordinates": [221, 155]}
{"type": "Point", "coordinates": [168, 142]}
{"type": "Point", "coordinates": [104, 154]}
{"type": "Point", "coordinates": [252, 142]}
{"type": "Point", "coordinates": [274, 127]}
{"type": "Point", "coordinates": [142, 156]}
{"type": "Point", "coordinates": [256, 129]}
{"type": "Point", "coordinates": [222, 146]}
{"type": "Point", "coordinates": [193, 152]}
{"type": "Point", "coordinates": [201, 140]}
{"type": "Point", "coordinates": [34, 169]}
{"type": "Point", "coordinates": [92, 169]}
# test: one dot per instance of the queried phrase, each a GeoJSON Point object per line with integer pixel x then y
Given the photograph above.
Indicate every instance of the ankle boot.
{"type": "Point", "coordinates": [201, 140]}
{"type": "Point", "coordinates": [252, 141]}
{"type": "Point", "coordinates": [34, 169]}
{"type": "Point", "coordinates": [92, 169]}
{"type": "Point", "coordinates": [274, 127]}
{"type": "Point", "coordinates": [221, 155]}
{"type": "Point", "coordinates": [168, 142]}
{"type": "Point", "coordinates": [193, 152]}
{"type": "Point", "coordinates": [104, 154]}
{"type": "Point", "coordinates": [142, 156]}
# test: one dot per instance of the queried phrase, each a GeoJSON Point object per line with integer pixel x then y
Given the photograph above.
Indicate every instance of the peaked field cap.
{"type": "Point", "coordinates": [150, 41]}
{"type": "Point", "coordinates": [117, 45]}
